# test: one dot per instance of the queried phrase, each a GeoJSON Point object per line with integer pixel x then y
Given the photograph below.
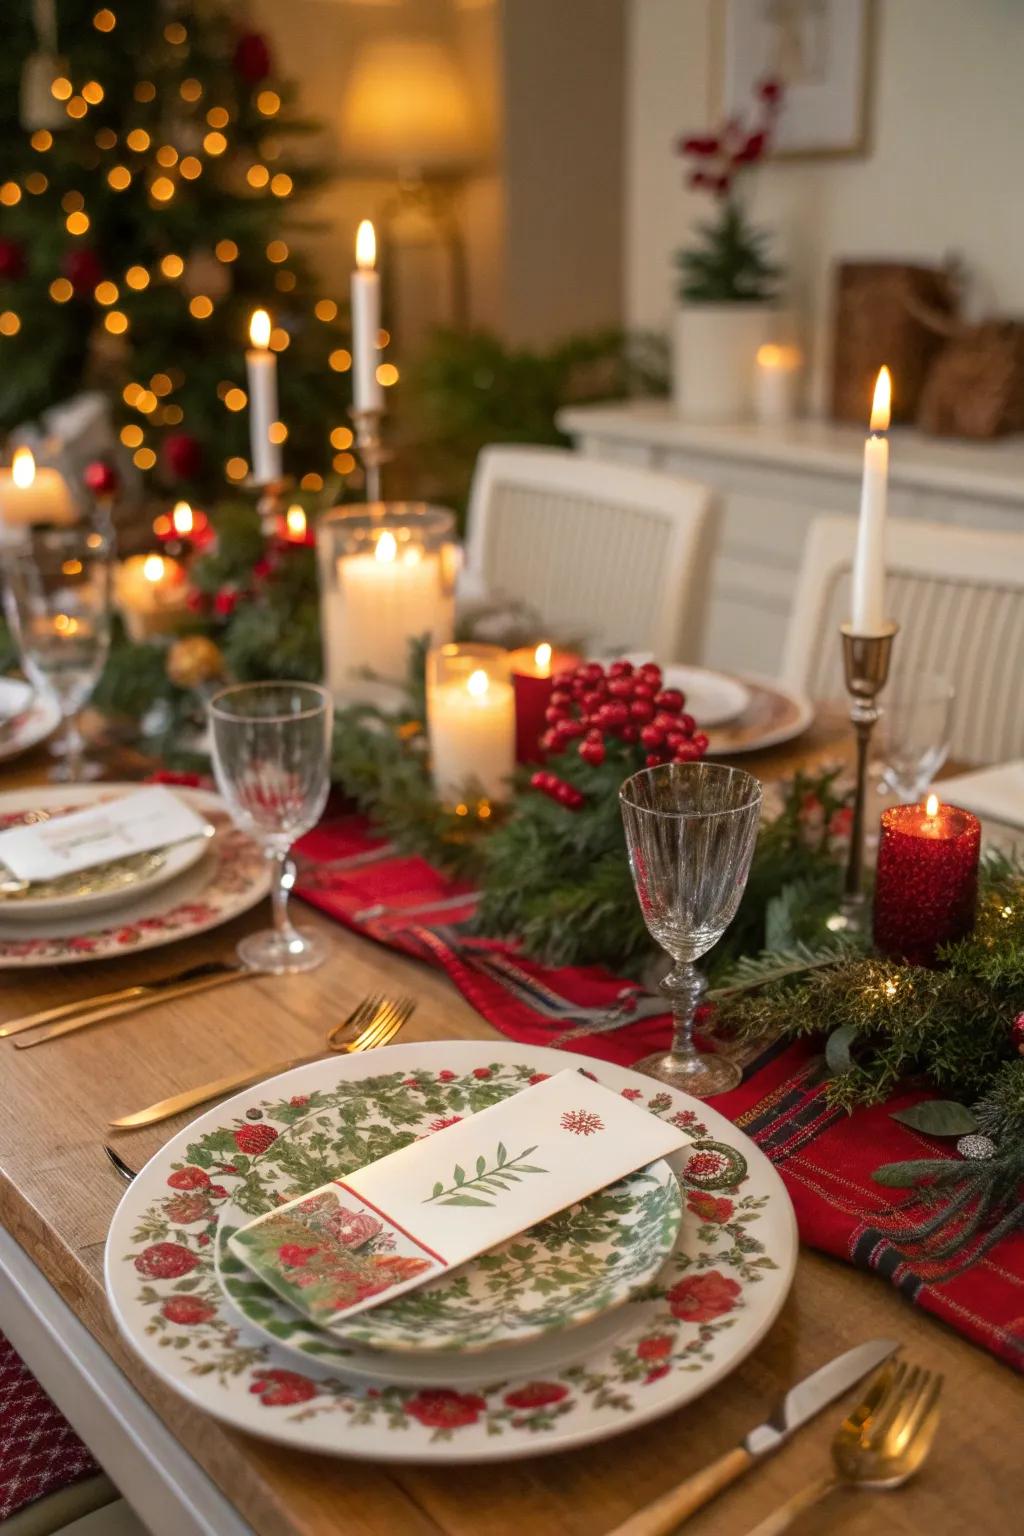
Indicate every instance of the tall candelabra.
{"type": "Point", "coordinates": [866, 666]}
{"type": "Point", "coordinates": [371, 449]}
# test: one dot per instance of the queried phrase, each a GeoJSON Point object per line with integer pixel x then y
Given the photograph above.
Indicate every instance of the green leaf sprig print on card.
{"type": "Point", "coordinates": [488, 1180]}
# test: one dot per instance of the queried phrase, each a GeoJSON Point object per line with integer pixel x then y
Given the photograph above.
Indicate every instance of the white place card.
{"type": "Point", "coordinates": [445, 1198]}
{"type": "Point", "coordinates": [137, 823]}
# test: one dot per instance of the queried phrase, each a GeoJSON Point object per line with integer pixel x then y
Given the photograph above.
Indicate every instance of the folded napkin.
{"type": "Point", "coordinates": [63, 845]}
{"type": "Point", "coordinates": [445, 1198]}
{"type": "Point", "coordinates": [996, 792]}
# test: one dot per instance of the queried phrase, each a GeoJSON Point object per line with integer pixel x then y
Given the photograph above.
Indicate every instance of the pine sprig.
{"type": "Point", "coordinates": [731, 264]}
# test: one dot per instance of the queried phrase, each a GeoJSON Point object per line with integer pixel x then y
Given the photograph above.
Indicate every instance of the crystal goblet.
{"type": "Point", "coordinates": [690, 830]}
{"type": "Point", "coordinates": [271, 757]}
{"type": "Point", "coordinates": [57, 602]}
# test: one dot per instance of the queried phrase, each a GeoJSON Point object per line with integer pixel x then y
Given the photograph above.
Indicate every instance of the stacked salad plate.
{"type": "Point", "coordinates": [609, 1313]}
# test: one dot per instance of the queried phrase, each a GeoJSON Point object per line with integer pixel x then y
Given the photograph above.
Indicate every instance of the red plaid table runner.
{"type": "Point", "coordinates": [825, 1157]}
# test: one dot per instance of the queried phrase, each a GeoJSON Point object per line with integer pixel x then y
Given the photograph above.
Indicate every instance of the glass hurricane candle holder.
{"type": "Point", "coordinates": [387, 577]}
{"type": "Point", "coordinates": [471, 722]}
{"type": "Point", "coordinates": [926, 882]}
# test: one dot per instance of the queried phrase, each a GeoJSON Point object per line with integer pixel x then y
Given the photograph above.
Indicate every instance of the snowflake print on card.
{"type": "Point", "coordinates": [581, 1122]}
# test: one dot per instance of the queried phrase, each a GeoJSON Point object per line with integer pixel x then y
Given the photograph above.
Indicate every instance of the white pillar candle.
{"type": "Point", "coordinates": [384, 599]}
{"type": "Point", "coordinates": [471, 722]}
{"type": "Point", "coordinates": [775, 384]}
{"type": "Point", "coordinates": [261, 366]}
{"type": "Point", "coordinates": [869, 616]}
{"type": "Point", "coordinates": [366, 391]}
{"type": "Point", "coordinates": [151, 592]}
{"type": "Point", "coordinates": [32, 494]}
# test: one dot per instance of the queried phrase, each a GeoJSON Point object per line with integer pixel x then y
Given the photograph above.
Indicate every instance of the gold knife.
{"type": "Point", "coordinates": [142, 989]}
{"type": "Point", "coordinates": [165, 1108]}
{"type": "Point", "coordinates": [115, 1011]}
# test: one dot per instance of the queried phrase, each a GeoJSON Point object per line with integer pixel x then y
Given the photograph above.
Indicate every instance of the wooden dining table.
{"type": "Point", "coordinates": [184, 1472]}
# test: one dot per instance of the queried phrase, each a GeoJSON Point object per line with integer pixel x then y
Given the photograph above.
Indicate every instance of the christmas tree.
{"type": "Point", "coordinates": [146, 195]}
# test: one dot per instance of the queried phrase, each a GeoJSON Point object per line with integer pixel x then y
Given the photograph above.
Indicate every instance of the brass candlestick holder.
{"type": "Point", "coordinates": [866, 665]}
{"type": "Point", "coordinates": [371, 449]}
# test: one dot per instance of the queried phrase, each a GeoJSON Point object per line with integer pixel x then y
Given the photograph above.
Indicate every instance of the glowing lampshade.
{"type": "Point", "coordinates": [406, 109]}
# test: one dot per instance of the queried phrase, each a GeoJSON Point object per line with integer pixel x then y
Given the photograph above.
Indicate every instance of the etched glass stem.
{"type": "Point", "coordinates": [683, 986]}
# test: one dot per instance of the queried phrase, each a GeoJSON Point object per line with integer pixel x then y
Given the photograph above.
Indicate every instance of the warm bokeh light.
{"type": "Point", "coordinates": [10, 323]}
{"type": "Point", "coordinates": [311, 482]}
{"type": "Point", "coordinates": [280, 341]}
{"type": "Point", "coordinates": [172, 266]}
{"type": "Point", "coordinates": [132, 435]}
{"type": "Point", "coordinates": [61, 88]}
{"type": "Point", "coordinates": [284, 281]}
{"type": "Point", "coordinates": [281, 185]}
{"type": "Point", "coordinates": [23, 468]}
{"type": "Point", "coordinates": [259, 329]}
{"type": "Point", "coordinates": [145, 91]}
{"type": "Point", "coordinates": [153, 567]}
{"type": "Point", "coordinates": [93, 92]}
{"type": "Point", "coordinates": [366, 246]}
{"type": "Point", "coordinates": [72, 201]}
{"type": "Point", "coordinates": [145, 401]}
{"type": "Point", "coordinates": [162, 189]}
{"type": "Point", "coordinates": [257, 176]}
{"type": "Point", "coordinates": [104, 20]}
{"type": "Point", "coordinates": [268, 102]}
{"type": "Point", "coordinates": [236, 399]}
{"type": "Point", "coordinates": [167, 156]}
{"type": "Point", "coordinates": [41, 140]}
{"type": "Point", "coordinates": [226, 250]}
{"type": "Point", "coordinates": [119, 177]}
{"type": "Point", "coordinates": [76, 107]}
{"type": "Point", "coordinates": [341, 437]}
{"type": "Point", "coordinates": [218, 117]}
{"type": "Point", "coordinates": [387, 374]}
{"type": "Point", "coordinates": [10, 194]}
{"type": "Point", "coordinates": [383, 339]}
{"type": "Point", "coordinates": [144, 458]}
{"type": "Point", "coordinates": [60, 290]}
{"type": "Point", "coordinates": [191, 167]}
{"type": "Point", "coordinates": [161, 384]}
{"type": "Point", "coordinates": [881, 403]}
{"type": "Point", "coordinates": [277, 250]}
{"type": "Point", "coordinates": [106, 293]}
{"type": "Point", "coordinates": [326, 310]}
{"type": "Point", "coordinates": [201, 307]}
{"type": "Point", "coordinates": [106, 138]}
{"type": "Point", "coordinates": [138, 140]}
{"type": "Point", "coordinates": [137, 278]}
{"type": "Point", "coordinates": [295, 523]}
{"type": "Point", "coordinates": [36, 182]}
{"type": "Point", "coordinates": [236, 469]}
{"type": "Point", "coordinates": [215, 143]}
{"type": "Point", "coordinates": [343, 463]}
{"type": "Point", "coordinates": [172, 415]}
{"type": "Point", "coordinates": [182, 519]}
{"type": "Point", "coordinates": [116, 322]}
{"type": "Point", "coordinates": [277, 433]}
{"type": "Point", "coordinates": [77, 223]}
{"type": "Point", "coordinates": [190, 89]}
{"type": "Point", "coordinates": [175, 34]}
{"type": "Point", "coordinates": [340, 360]}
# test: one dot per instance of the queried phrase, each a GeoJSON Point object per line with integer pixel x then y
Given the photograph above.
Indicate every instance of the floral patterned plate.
{"type": "Point", "coordinates": [563, 1272]}
{"type": "Point", "coordinates": [231, 877]}
{"type": "Point", "coordinates": [715, 1298]}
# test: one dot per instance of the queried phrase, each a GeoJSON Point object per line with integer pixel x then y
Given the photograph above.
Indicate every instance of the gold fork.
{"type": "Point", "coordinates": [378, 1020]}
{"type": "Point", "coordinates": [881, 1444]}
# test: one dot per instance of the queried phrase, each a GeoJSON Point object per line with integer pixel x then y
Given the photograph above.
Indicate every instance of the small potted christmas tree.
{"type": "Point", "coordinates": [728, 283]}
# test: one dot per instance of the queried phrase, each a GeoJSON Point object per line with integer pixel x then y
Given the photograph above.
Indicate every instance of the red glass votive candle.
{"type": "Point", "coordinates": [533, 669]}
{"type": "Point", "coordinates": [926, 884]}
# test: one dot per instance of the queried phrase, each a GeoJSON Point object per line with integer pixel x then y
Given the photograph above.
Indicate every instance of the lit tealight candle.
{"type": "Point", "coordinates": [31, 493]}
{"type": "Point", "coordinates": [533, 673]}
{"type": "Point", "coordinates": [927, 879]}
{"type": "Point", "coordinates": [869, 558]}
{"type": "Point", "coordinates": [261, 366]}
{"type": "Point", "coordinates": [152, 595]}
{"type": "Point", "coordinates": [367, 394]}
{"type": "Point", "coordinates": [296, 527]}
{"type": "Point", "coordinates": [471, 722]}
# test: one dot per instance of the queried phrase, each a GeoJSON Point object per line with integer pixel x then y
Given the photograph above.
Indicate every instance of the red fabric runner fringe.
{"type": "Point", "coordinates": [825, 1157]}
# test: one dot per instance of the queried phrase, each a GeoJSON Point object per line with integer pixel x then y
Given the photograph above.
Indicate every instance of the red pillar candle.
{"type": "Point", "coordinates": [533, 669]}
{"type": "Point", "coordinates": [926, 883]}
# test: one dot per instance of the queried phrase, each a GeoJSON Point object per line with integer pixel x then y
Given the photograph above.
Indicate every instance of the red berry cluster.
{"type": "Point", "coordinates": [557, 789]}
{"type": "Point", "coordinates": [591, 704]}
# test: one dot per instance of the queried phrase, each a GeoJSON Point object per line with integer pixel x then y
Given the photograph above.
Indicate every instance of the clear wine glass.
{"type": "Point", "coordinates": [690, 830]}
{"type": "Point", "coordinates": [914, 732]}
{"type": "Point", "coordinates": [271, 758]}
{"type": "Point", "coordinates": [57, 602]}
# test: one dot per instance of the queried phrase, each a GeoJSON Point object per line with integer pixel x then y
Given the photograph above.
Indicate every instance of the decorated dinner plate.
{"type": "Point", "coordinates": [27, 718]}
{"type": "Point", "coordinates": [563, 1272]}
{"type": "Point", "coordinates": [773, 715]}
{"type": "Point", "coordinates": [206, 886]}
{"type": "Point", "coordinates": [716, 1295]}
{"type": "Point", "coordinates": [712, 698]}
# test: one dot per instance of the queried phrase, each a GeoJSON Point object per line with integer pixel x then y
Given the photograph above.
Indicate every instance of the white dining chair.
{"type": "Point", "coordinates": [958, 597]}
{"type": "Point", "coordinates": [612, 557]}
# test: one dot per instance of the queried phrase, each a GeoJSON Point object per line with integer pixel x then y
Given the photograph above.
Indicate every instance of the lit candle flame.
{"type": "Point", "coordinates": [366, 247]}
{"type": "Point", "coordinates": [931, 806]}
{"type": "Point", "coordinates": [182, 519]}
{"type": "Point", "coordinates": [259, 329]}
{"type": "Point", "coordinates": [295, 523]}
{"type": "Point", "coordinates": [387, 547]}
{"type": "Point", "coordinates": [23, 468]}
{"type": "Point", "coordinates": [478, 683]}
{"type": "Point", "coordinates": [881, 403]}
{"type": "Point", "coordinates": [153, 568]}
{"type": "Point", "coordinates": [542, 656]}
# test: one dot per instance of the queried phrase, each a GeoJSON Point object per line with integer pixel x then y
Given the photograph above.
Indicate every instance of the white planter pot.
{"type": "Point", "coordinates": [713, 351]}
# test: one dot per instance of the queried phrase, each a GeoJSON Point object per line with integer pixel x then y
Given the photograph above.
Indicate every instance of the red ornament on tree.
{"type": "Point", "coordinates": [182, 456]}
{"type": "Point", "coordinates": [12, 260]}
{"type": "Point", "coordinates": [83, 269]}
{"type": "Point", "coordinates": [101, 478]}
{"type": "Point", "coordinates": [252, 61]}
{"type": "Point", "coordinates": [1017, 1033]}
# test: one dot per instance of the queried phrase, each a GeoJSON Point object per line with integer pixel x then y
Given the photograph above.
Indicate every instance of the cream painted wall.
{"type": "Point", "coordinates": [944, 173]}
